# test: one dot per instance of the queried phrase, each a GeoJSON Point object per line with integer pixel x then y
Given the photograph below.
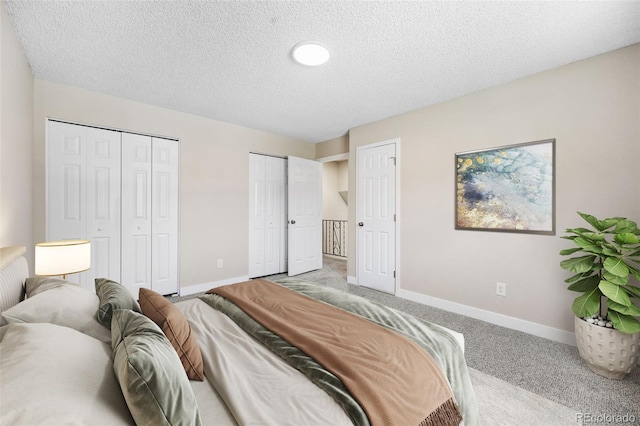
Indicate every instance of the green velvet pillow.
{"type": "Point", "coordinates": [150, 373]}
{"type": "Point", "coordinates": [113, 296]}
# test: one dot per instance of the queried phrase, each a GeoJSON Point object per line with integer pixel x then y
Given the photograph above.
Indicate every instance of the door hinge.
{"type": "Point", "coordinates": [394, 160]}
{"type": "Point", "coordinates": [394, 274]}
{"type": "Point", "coordinates": [394, 217]}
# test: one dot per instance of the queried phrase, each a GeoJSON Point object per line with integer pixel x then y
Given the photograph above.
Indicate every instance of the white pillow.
{"type": "Point", "coordinates": [56, 375]}
{"type": "Point", "coordinates": [67, 305]}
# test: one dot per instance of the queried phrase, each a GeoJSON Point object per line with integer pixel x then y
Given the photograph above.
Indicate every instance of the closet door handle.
{"type": "Point", "coordinates": [293, 222]}
{"type": "Point", "coordinates": [361, 224]}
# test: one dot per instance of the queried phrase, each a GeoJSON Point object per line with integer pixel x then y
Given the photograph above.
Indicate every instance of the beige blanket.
{"type": "Point", "coordinates": [393, 379]}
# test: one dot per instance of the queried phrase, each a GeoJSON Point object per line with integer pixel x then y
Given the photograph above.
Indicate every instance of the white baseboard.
{"type": "Point", "coordinates": [539, 330]}
{"type": "Point", "coordinates": [352, 280]}
{"type": "Point", "coordinates": [199, 288]}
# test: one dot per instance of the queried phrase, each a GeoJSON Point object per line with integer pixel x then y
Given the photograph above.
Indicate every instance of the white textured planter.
{"type": "Point", "coordinates": [606, 351]}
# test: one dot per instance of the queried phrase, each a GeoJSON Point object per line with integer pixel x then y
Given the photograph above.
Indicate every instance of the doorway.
{"type": "Point", "coordinates": [335, 184]}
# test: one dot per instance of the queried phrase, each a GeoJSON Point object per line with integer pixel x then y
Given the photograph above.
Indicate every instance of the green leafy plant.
{"type": "Point", "coordinates": [609, 257]}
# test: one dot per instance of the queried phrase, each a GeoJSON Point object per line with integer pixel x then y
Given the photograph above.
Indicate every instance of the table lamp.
{"type": "Point", "coordinates": [63, 257]}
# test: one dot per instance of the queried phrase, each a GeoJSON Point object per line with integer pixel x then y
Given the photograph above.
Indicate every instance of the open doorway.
{"type": "Point", "coordinates": [335, 182]}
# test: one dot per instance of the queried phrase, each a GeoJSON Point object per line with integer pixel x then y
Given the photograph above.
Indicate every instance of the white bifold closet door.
{"type": "Point", "coordinates": [285, 215]}
{"type": "Point", "coordinates": [164, 215]}
{"type": "Point", "coordinates": [267, 215]}
{"type": "Point", "coordinates": [83, 194]}
{"type": "Point", "coordinates": [136, 211]}
{"type": "Point", "coordinates": [149, 213]}
{"type": "Point", "coordinates": [120, 191]}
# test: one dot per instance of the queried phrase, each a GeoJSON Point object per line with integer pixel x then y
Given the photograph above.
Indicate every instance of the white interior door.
{"type": "Point", "coordinates": [257, 186]}
{"type": "Point", "coordinates": [274, 214]}
{"type": "Point", "coordinates": [103, 203]}
{"type": "Point", "coordinates": [267, 244]}
{"type": "Point", "coordinates": [164, 219]}
{"type": "Point", "coordinates": [66, 185]}
{"type": "Point", "coordinates": [136, 212]}
{"type": "Point", "coordinates": [376, 227]}
{"type": "Point", "coordinates": [304, 203]}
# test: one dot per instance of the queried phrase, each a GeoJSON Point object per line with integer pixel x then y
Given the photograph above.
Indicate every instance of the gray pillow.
{"type": "Point", "coordinates": [113, 296]}
{"type": "Point", "coordinates": [150, 373]}
{"type": "Point", "coordinates": [37, 285]}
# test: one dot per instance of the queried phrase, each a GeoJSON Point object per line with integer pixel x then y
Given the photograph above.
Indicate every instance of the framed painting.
{"type": "Point", "coordinates": [507, 189]}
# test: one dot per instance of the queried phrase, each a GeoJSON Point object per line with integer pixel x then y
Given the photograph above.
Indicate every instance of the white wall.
{"type": "Point", "coordinates": [16, 140]}
{"type": "Point", "coordinates": [591, 108]}
{"type": "Point", "coordinates": [214, 172]}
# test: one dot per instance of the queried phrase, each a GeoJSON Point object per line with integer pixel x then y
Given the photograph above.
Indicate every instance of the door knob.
{"type": "Point", "coordinates": [360, 223]}
{"type": "Point", "coordinates": [293, 222]}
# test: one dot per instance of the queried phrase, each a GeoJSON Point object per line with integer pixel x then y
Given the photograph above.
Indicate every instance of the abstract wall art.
{"type": "Point", "coordinates": [507, 189]}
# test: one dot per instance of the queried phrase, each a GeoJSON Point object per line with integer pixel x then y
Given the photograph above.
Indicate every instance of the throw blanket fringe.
{"type": "Point", "coordinates": [443, 416]}
{"type": "Point", "coordinates": [395, 381]}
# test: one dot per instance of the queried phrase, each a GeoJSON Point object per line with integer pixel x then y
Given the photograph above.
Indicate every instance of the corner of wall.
{"type": "Point", "coordinates": [16, 140]}
{"type": "Point", "coordinates": [333, 147]}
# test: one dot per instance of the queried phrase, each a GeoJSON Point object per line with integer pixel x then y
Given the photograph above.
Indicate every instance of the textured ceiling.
{"type": "Point", "coordinates": [230, 60]}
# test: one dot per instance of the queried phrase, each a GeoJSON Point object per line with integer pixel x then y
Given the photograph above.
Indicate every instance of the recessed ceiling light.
{"type": "Point", "coordinates": [310, 53]}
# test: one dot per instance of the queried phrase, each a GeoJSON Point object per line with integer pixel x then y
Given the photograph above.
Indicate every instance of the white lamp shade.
{"type": "Point", "coordinates": [63, 257]}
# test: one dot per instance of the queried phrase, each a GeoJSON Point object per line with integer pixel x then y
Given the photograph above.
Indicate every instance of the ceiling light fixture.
{"type": "Point", "coordinates": [310, 53]}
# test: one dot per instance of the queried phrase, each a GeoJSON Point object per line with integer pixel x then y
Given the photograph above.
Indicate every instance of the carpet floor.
{"type": "Point", "coordinates": [502, 404]}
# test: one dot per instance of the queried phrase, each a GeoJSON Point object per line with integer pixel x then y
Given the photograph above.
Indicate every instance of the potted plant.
{"type": "Point", "coordinates": [605, 267]}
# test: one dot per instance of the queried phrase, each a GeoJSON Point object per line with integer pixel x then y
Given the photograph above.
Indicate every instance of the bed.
{"type": "Point", "coordinates": [72, 356]}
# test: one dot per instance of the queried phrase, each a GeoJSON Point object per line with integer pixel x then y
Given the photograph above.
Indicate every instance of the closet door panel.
{"type": "Point", "coordinates": [164, 210]}
{"type": "Point", "coordinates": [66, 190]}
{"type": "Point", "coordinates": [257, 164]}
{"type": "Point", "coordinates": [66, 186]}
{"type": "Point", "coordinates": [103, 203]}
{"type": "Point", "coordinates": [273, 214]}
{"type": "Point", "coordinates": [136, 212]}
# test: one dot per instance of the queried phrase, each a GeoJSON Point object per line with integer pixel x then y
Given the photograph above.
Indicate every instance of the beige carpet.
{"type": "Point", "coordinates": [501, 403]}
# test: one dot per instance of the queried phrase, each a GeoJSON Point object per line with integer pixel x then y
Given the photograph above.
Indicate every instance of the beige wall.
{"type": "Point", "coordinates": [592, 108]}
{"type": "Point", "coordinates": [214, 172]}
{"type": "Point", "coordinates": [333, 206]}
{"type": "Point", "coordinates": [343, 175]}
{"type": "Point", "coordinates": [332, 147]}
{"type": "Point", "coordinates": [16, 140]}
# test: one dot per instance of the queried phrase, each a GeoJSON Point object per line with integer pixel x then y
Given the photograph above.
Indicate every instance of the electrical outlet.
{"type": "Point", "coordinates": [501, 289]}
{"type": "Point", "coordinates": [220, 263]}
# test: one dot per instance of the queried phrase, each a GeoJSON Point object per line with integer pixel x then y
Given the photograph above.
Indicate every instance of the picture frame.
{"type": "Point", "coordinates": [507, 189]}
